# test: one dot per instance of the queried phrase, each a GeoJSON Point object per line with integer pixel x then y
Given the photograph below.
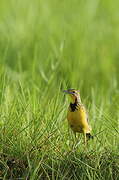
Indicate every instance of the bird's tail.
{"type": "Point", "coordinates": [89, 136]}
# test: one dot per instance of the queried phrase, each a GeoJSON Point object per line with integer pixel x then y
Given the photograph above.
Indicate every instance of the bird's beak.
{"type": "Point", "coordinates": [67, 92]}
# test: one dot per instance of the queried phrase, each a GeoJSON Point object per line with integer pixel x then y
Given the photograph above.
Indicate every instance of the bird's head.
{"type": "Point", "coordinates": [74, 94]}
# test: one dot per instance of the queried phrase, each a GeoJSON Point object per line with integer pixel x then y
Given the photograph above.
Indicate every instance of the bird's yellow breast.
{"type": "Point", "coordinates": [78, 120]}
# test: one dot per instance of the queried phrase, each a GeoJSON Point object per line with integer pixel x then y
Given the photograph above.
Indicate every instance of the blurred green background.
{"type": "Point", "coordinates": [76, 39]}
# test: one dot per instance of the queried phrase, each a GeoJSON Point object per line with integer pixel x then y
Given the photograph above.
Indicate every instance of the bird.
{"type": "Point", "coordinates": [77, 115]}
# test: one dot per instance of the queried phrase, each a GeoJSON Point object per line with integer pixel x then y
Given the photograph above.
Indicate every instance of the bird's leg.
{"type": "Point", "coordinates": [74, 139]}
{"type": "Point", "coordinates": [78, 140]}
{"type": "Point", "coordinates": [75, 134]}
{"type": "Point", "coordinates": [85, 140]}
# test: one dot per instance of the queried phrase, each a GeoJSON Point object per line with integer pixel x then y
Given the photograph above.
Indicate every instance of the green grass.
{"type": "Point", "coordinates": [45, 47]}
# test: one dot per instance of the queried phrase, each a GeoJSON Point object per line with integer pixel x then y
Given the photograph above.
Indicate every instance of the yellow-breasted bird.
{"type": "Point", "coordinates": [77, 116]}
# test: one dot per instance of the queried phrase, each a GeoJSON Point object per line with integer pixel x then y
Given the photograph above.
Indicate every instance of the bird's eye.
{"type": "Point", "coordinates": [73, 91]}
